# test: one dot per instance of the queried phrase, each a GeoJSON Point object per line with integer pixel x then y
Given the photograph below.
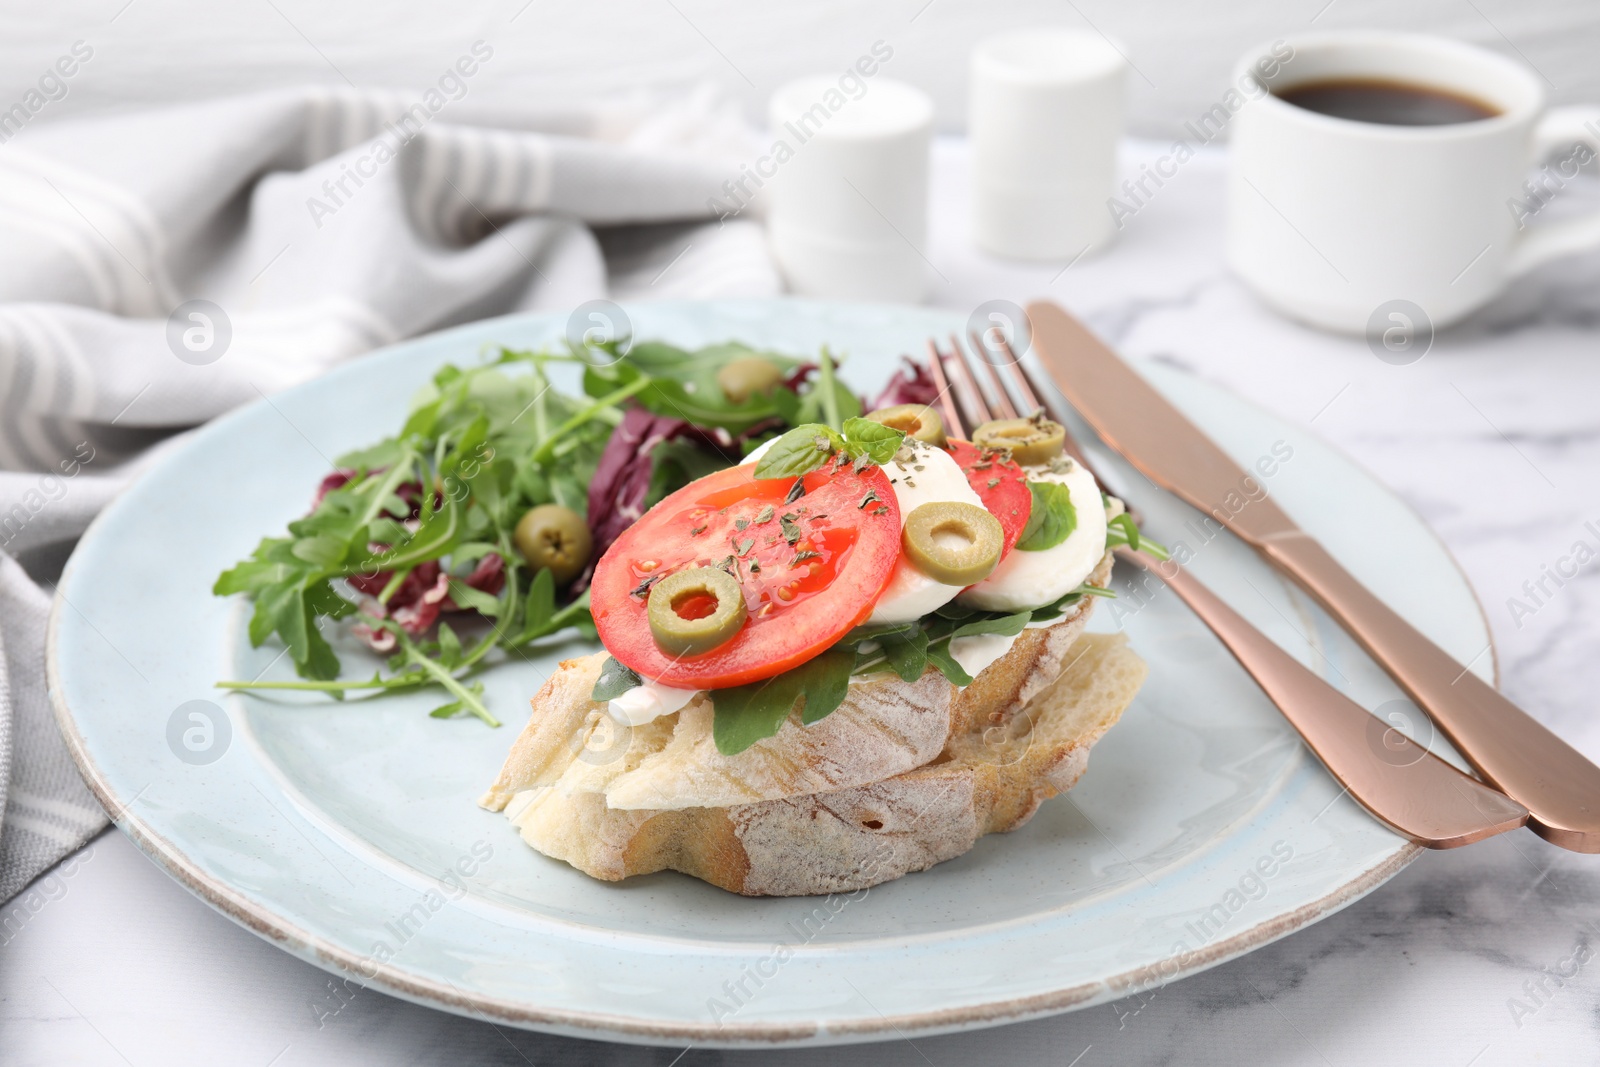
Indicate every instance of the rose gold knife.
{"type": "Point", "coordinates": [1509, 748]}
{"type": "Point", "coordinates": [1400, 782]}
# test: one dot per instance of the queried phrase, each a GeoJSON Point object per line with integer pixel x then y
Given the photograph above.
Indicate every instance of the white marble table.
{"type": "Point", "coordinates": [1494, 437]}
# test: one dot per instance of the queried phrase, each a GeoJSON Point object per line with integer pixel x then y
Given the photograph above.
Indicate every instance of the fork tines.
{"type": "Point", "coordinates": [962, 400]}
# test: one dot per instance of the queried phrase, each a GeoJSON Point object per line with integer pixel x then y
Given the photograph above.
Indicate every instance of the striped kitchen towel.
{"type": "Point", "coordinates": [164, 266]}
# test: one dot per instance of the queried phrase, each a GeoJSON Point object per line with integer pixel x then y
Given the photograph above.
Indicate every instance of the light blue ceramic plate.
{"type": "Point", "coordinates": [348, 834]}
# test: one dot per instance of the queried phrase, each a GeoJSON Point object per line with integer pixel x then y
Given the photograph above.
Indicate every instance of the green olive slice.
{"type": "Point", "coordinates": [747, 376]}
{"type": "Point", "coordinates": [551, 537]}
{"type": "Point", "coordinates": [953, 542]}
{"type": "Point", "coordinates": [914, 420]}
{"type": "Point", "coordinates": [694, 611]}
{"type": "Point", "coordinates": [1032, 442]}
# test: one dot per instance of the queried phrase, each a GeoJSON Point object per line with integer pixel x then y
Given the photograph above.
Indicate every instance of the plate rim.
{"type": "Point", "coordinates": [262, 920]}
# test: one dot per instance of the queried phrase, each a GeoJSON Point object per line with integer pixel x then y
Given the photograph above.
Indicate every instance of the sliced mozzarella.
{"type": "Point", "coordinates": [911, 594]}
{"type": "Point", "coordinates": [977, 652]}
{"type": "Point", "coordinates": [1034, 579]}
{"type": "Point", "coordinates": [648, 701]}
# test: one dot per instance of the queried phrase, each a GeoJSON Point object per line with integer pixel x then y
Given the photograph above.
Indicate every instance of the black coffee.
{"type": "Point", "coordinates": [1389, 103]}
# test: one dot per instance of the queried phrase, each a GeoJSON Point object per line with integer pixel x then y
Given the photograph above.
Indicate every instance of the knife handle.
{"type": "Point", "coordinates": [1405, 786]}
{"type": "Point", "coordinates": [1510, 749]}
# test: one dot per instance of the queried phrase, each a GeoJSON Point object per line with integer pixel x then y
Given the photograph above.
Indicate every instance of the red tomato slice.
{"type": "Point", "coordinates": [810, 570]}
{"type": "Point", "coordinates": [1000, 484]}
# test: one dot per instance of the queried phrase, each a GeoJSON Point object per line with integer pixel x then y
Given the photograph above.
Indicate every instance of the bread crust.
{"type": "Point", "coordinates": [990, 779]}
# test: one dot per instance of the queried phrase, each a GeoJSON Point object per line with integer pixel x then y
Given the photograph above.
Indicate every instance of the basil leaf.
{"type": "Point", "coordinates": [1052, 519]}
{"type": "Point", "coordinates": [614, 680]}
{"type": "Point", "coordinates": [797, 452]}
{"type": "Point", "coordinates": [747, 713]}
{"type": "Point", "coordinates": [874, 440]}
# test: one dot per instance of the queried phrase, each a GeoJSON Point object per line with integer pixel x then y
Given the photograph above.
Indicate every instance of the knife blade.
{"type": "Point", "coordinates": [1509, 748]}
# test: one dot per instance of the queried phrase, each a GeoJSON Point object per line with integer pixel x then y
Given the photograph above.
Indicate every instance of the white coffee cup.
{"type": "Point", "coordinates": [1335, 221]}
{"type": "Point", "coordinates": [1045, 111]}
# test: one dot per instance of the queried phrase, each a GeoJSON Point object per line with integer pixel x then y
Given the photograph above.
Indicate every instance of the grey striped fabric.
{"type": "Point", "coordinates": [322, 224]}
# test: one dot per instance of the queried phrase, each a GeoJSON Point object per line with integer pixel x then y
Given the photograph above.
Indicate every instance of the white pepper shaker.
{"type": "Point", "coordinates": [1045, 112]}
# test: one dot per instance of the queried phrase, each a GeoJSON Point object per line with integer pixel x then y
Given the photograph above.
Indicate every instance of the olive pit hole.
{"type": "Point", "coordinates": [694, 604]}
{"type": "Point", "coordinates": [953, 535]}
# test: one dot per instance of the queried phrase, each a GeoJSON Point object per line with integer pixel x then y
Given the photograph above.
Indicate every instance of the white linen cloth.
{"type": "Point", "coordinates": [322, 224]}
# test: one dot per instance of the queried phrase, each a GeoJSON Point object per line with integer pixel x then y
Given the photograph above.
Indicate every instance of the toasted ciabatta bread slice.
{"type": "Point", "coordinates": [989, 779]}
{"type": "Point", "coordinates": [884, 727]}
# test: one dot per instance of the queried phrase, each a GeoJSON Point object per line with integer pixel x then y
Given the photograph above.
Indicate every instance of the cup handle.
{"type": "Point", "coordinates": [1561, 127]}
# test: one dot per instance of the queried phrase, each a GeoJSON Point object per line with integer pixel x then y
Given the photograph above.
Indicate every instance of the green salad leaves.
{"type": "Point", "coordinates": [418, 528]}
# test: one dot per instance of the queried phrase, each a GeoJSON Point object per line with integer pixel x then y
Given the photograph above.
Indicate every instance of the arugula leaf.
{"type": "Point", "coordinates": [675, 464]}
{"type": "Point", "coordinates": [614, 680]}
{"type": "Point", "coordinates": [449, 647]}
{"type": "Point", "coordinates": [460, 704]}
{"type": "Point", "coordinates": [477, 599]}
{"type": "Point", "coordinates": [538, 610]}
{"type": "Point", "coordinates": [1052, 520]}
{"type": "Point", "coordinates": [830, 401]}
{"type": "Point", "coordinates": [746, 714]}
{"type": "Point", "coordinates": [1006, 625]}
{"type": "Point", "coordinates": [906, 653]}
{"type": "Point", "coordinates": [296, 623]}
{"type": "Point", "coordinates": [682, 384]}
{"type": "Point", "coordinates": [874, 632]}
{"type": "Point", "coordinates": [1122, 530]}
{"type": "Point", "coordinates": [939, 656]}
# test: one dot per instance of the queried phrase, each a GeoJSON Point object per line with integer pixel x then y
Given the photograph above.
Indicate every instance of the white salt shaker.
{"type": "Point", "coordinates": [1044, 114]}
{"type": "Point", "coordinates": [847, 215]}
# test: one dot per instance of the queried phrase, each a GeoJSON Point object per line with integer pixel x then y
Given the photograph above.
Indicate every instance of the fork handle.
{"type": "Point", "coordinates": [1510, 748]}
{"type": "Point", "coordinates": [1400, 782]}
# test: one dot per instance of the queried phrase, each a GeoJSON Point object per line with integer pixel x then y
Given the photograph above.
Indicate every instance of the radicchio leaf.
{"type": "Point", "coordinates": [911, 384]}
{"type": "Point", "coordinates": [410, 492]}
{"type": "Point", "coordinates": [622, 479]}
{"type": "Point", "coordinates": [421, 597]}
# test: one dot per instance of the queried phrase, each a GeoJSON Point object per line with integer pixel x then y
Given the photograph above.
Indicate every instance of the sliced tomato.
{"type": "Point", "coordinates": [1000, 484]}
{"type": "Point", "coordinates": [811, 569]}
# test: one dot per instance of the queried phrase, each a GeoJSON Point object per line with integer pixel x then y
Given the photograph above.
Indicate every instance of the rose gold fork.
{"type": "Point", "coordinates": [1402, 784]}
